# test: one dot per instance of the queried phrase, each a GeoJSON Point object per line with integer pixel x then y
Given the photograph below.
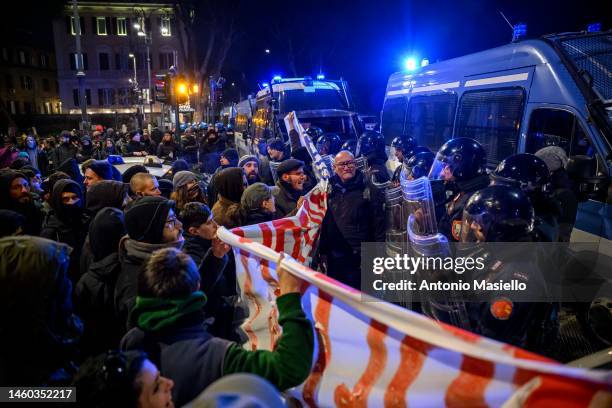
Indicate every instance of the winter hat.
{"type": "Point", "coordinates": [146, 218]}
{"type": "Point", "coordinates": [255, 195]}
{"type": "Point", "coordinates": [179, 165]}
{"type": "Point", "coordinates": [182, 178]}
{"type": "Point", "coordinates": [107, 193]}
{"type": "Point", "coordinates": [10, 221]}
{"type": "Point", "coordinates": [102, 168]}
{"type": "Point", "coordinates": [166, 187]}
{"type": "Point", "coordinates": [229, 183]}
{"type": "Point", "coordinates": [288, 165]}
{"type": "Point", "coordinates": [247, 158]}
{"type": "Point", "coordinates": [129, 173]}
{"type": "Point", "coordinates": [231, 155]}
{"type": "Point", "coordinates": [554, 157]}
{"type": "Point", "coordinates": [105, 232]}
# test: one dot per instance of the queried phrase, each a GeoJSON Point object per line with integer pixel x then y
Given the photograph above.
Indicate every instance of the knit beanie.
{"type": "Point", "coordinates": [102, 168]}
{"type": "Point", "coordinates": [247, 158]}
{"type": "Point", "coordinates": [146, 218]}
{"type": "Point", "coordinates": [231, 155]}
{"type": "Point", "coordinates": [182, 178]}
{"type": "Point", "coordinates": [554, 157]}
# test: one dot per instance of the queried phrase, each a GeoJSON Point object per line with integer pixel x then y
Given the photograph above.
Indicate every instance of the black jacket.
{"type": "Point", "coordinates": [39, 334]}
{"type": "Point", "coordinates": [256, 217]}
{"type": "Point", "coordinates": [355, 214]}
{"type": "Point", "coordinates": [164, 150]}
{"type": "Point", "coordinates": [62, 153]}
{"type": "Point", "coordinates": [31, 211]}
{"type": "Point", "coordinates": [286, 199]}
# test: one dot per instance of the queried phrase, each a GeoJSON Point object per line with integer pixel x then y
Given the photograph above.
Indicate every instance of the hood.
{"type": "Point", "coordinates": [65, 185]}
{"type": "Point", "coordinates": [107, 193]}
{"type": "Point", "coordinates": [71, 168]}
{"type": "Point", "coordinates": [229, 183]}
{"type": "Point", "coordinates": [105, 232]}
{"type": "Point", "coordinates": [6, 178]}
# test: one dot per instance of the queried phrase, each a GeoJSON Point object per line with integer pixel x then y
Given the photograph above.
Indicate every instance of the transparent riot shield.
{"type": "Point", "coordinates": [273, 167]}
{"type": "Point", "coordinates": [425, 241]}
{"type": "Point", "coordinates": [329, 162]}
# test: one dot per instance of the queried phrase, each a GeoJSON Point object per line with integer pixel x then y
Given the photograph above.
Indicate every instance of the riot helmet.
{"type": "Point", "coordinates": [462, 159]}
{"type": "Point", "coordinates": [406, 145]}
{"type": "Point", "coordinates": [314, 132]}
{"type": "Point", "coordinates": [523, 170]}
{"type": "Point", "coordinates": [329, 143]}
{"type": "Point", "coordinates": [370, 142]}
{"type": "Point", "coordinates": [497, 214]}
{"type": "Point", "coordinates": [419, 165]}
{"type": "Point", "coordinates": [349, 145]}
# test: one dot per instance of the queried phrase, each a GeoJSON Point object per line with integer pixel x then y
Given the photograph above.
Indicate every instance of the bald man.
{"type": "Point", "coordinates": [144, 184]}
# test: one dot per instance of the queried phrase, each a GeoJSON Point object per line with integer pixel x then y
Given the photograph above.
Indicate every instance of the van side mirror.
{"type": "Point", "coordinates": [582, 170]}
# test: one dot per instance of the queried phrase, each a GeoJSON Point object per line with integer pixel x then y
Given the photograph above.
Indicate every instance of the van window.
{"type": "Point", "coordinates": [557, 127]}
{"type": "Point", "coordinates": [394, 112]}
{"type": "Point", "coordinates": [492, 117]}
{"type": "Point", "coordinates": [430, 119]}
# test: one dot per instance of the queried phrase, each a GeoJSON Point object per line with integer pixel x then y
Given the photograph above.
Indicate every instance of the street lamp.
{"type": "Point", "coordinates": [134, 82]}
{"type": "Point", "coordinates": [142, 32]}
{"type": "Point", "coordinates": [267, 51]}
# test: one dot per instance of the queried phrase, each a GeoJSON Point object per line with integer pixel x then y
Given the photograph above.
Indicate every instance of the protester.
{"type": "Point", "coordinates": [64, 151]}
{"type": "Point", "coordinates": [106, 193]}
{"type": "Point", "coordinates": [15, 195]}
{"type": "Point", "coordinates": [67, 222]}
{"type": "Point", "coordinates": [250, 165]}
{"type": "Point", "coordinates": [165, 187]}
{"type": "Point", "coordinates": [169, 322]}
{"type": "Point", "coordinates": [230, 184]}
{"type": "Point", "coordinates": [167, 149]}
{"type": "Point", "coordinates": [290, 185]}
{"type": "Point", "coordinates": [11, 223]}
{"type": "Point", "coordinates": [135, 147]}
{"type": "Point", "coordinates": [40, 334]}
{"type": "Point", "coordinates": [86, 150]}
{"type": "Point", "coordinates": [149, 145]}
{"type": "Point", "coordinates": [97, 171]}
{"type": "Point", "coordinates": [144, 184]}
{"type": "Point", "coordinates": [38, 157]}
{"type": "Point", "coordinates": [258, 204]}
{"type": "Point", "coordinates": [186, 189]}
{"type": "Point", "coordinates": [122, 379]}
{"type": "Point", "coordinates": [127, 175]}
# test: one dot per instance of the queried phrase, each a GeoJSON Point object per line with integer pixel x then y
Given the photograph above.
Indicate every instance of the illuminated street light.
{"type": "Point", "coordinates": [233, 84]}
{"type": "Point", "coordinates": [131, 55]}
{"type": "Point", "coordinates": [182, 88]}
{"type": "Point", "coordinates": [196, 88]}
{"type": "Point", "coordinates": [267, 51]}
{"type": "Point", "coordinates": [141, 34]}
{"type": "Point", "coordinates": [137, 26]}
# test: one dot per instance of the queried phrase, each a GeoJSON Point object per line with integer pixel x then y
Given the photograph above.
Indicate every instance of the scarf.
{"type": "Point", "coordinates": [154, 314]}
{"type": "Point", "coordinates": [143, 250]}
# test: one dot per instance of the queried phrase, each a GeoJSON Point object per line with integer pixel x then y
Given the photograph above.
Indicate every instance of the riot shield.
{"type": "Point", "coordinates": [329, 162]}
{"type": "Point", "coordinates": [273, 168]}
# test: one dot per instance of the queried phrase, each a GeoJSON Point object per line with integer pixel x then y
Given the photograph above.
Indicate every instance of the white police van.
{"type": "Point", "coordinates": [520, 97]}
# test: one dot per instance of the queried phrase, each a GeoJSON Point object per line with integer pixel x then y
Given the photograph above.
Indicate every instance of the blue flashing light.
{"type": "Point", "coordinates": [277, 78]}
{"type": "Point", "coordinates": [519, 32]}
{"type": "Point", "coordinates": [410, 63]}
{"type": "Point", "coordinates": [320, 76]}
{"type": "Point", "coordinates": [424, 62]}
{"type": "Point", "coordinates": [594, 27]}
{"type": "Point", "coordinates": [265, 85]}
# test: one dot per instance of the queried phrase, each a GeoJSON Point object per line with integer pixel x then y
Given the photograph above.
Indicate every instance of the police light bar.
{"type": "Point", "coordinates": [594, 27]}
{"type": "Point", "coordinates": [277, 78]}
{"type": "Point", "coordinates": [519, 32]}
{"type": "Point", "coordinates": [410, 63]}
{"type": "Point", "coordinates": [320, 77]}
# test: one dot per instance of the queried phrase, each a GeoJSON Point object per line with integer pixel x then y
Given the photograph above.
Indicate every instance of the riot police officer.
{"type": "Point", "coordinates": [530, 173]}
{"type": "Point", "coordinates": [461, 165]}
{"type": "Point", "coordinates": [371, 145]}
{"type": "Point", "coordinates": [315, 133]}
{"type": "Point", "coordinates": [329, 144]}
{"type": "Point", "coordinates": [502, 213]}
{"type": "Point", "coordinates": [349, 145]}
{"type": "Point", "coordinates": [419, 165]}
{"type": "Point", "coordinates": [404, 147]}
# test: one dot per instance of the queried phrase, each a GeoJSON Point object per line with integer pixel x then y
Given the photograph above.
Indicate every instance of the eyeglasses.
{"type": "Point", "coordinates": [348, 163]}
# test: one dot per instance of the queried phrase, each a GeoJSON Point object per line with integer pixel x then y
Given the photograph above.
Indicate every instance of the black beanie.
{"type": "Point", "coordinates": [102, 168]}
{"type": "Point", "coordinates": [129, 173]}
{"type": "Point", "coordinates": [146, 217]}
{"type": "Point", "coordinates": [166, 187]}
{"type": "Point", "coordinates": [231, 155]}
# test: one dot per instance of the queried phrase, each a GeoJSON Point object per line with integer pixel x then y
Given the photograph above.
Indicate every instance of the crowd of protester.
{"type": "Point", "coordinates": [118, 283]}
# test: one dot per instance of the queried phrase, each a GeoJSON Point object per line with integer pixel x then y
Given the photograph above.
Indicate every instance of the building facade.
{"type": "Point", "coordinates": [114, 42]}
{"type": "Point", "coordinates": [28, 81]}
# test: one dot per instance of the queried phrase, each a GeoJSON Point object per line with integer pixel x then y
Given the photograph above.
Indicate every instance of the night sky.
{"type": "Point", "coordinates": [365, 41]}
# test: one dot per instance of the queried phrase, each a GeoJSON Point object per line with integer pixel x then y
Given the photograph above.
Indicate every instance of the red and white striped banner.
{"type": "Point", "coordinates": [373, 353]}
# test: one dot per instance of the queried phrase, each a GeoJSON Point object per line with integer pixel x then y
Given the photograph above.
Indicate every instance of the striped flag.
{"type": "Point", "coordinates": [373, 353]}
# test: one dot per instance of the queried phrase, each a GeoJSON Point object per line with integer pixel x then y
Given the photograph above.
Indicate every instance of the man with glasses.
{"type": "Point", "coordinates": [354, 215]}
{"type": "Point", "coordinates": [291, 178]}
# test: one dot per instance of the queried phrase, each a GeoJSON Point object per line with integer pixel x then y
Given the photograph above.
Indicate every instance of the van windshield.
{"type": "Point", "coordinates": [299, 100]}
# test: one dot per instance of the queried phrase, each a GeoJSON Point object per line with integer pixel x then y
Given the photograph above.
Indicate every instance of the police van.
{"type": "Point", "coordinates": [319, 103]}
{"type": "Point", "coordinates": [520, 97]}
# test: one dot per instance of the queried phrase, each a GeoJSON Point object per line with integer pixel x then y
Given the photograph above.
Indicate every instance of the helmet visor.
{"type": "Point", "coordinates": [440, 169]}
{"type": "Point", "coordinates": [474, 227]}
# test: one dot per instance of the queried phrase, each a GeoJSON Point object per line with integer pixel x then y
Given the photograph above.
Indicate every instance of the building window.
{"type": "Point", "coordinates": [165, 29]}
{"type": "Point", "coordinates": [13, 107]}
{"type": "Point", "coordinates": [106, 96]}
{"type": "Point", "coordinates": [101, 25]}
{"type": "Point", "coordinates": [22, 57]}
{"type": "Point", "coordinates": [9, 82]}
{"type": "Point", "coordinates": [44, 60]}
{"type": "Point", "coordinates": [26, 82]}
{"type": "Point", "coordinates": [48, 108]}
{"type": "Point", "coordinates": [46, 85]}
{"type": "Point", "coordinates": [166, 60]}
{"type": "Point", "coordinates": [104, 61]}
{"type": "Point", "coordinates": [121, 26]}
{"type": "Point", "coordinates": [74, 61]}
{"type": "Point", "coordinates": [75, 97]}
{"type": "Point", "coordinates": [73, 25]}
